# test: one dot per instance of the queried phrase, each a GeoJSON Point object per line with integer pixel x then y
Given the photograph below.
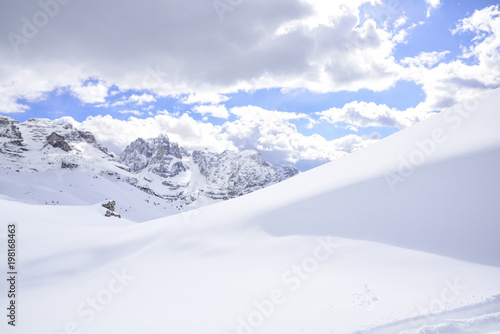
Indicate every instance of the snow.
{"type": "Point", "coordinates": [70, 188]}
{"type": "Point", "coordinates": [365, 244]}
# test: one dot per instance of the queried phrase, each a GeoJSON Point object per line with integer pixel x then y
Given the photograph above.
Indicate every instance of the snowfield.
{"type": "Point", "coordinates": [401, 237]}
{"type": "Point", "coordinates": [83, 188]}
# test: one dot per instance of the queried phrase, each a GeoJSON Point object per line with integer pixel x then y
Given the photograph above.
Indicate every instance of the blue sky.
{"type": "Point", "coordinates": [402, 96]}
{"type": "Point", "coordinates": [307, 86]}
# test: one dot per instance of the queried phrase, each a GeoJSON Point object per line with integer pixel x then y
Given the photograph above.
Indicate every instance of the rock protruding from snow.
{"type": "Point", "coordinates": [110, 212]}
{"type": "Point", "coordinates": [58, 141]}
{"type": "Point", "coordinates": [110, 205]}
{"type": "Point", "coordinates": [68, 165]}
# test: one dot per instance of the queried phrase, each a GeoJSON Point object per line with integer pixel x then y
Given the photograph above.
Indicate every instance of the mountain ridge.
{"type": "Point", "coordinates": [157, 166]}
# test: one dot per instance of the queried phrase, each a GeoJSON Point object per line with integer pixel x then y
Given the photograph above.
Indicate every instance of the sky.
{"type": "Point", "coordinates": [301, 81]}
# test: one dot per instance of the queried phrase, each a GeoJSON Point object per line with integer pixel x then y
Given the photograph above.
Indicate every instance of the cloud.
{"type": "Point", "coordinates": [8, 104]}
{"type": "Point", "coordinates": [400, 21]}
{"type": "Point", "coordinates": [432, 4]}
{"type": "Point", "coordinates": [212, 98]}
{"type": "Point", "coordinates": [141, 99]}
{"type": "Point", "coordinates": [267, 131]}
{"type": "Point", "coordinates": [317, 45]}
{"type": "Point", "coordinates": [136, 99]}
{"type": "Point", "coordinates": [117, 134]}
{"type": "Point", "coordinates": [425, 59]}
{"type": "Point", "coordinates": [485, 24]}
{"type": "Point", "coordinates": [215, 110]}
{"type": "Point", "coordinates": [362, 114]}
{"type": "Point", "coordinates": [133, 112]}
{"type": "Point", "coordinates": [277, 138]}
{"type": "Point", "coordinates": [91, 93]}
{"type": "Point", "coordinates": [449, 83]}
{"type": "Point", "coordinates": [324, 49]}
{"type": "Point", "coordinates": [19, 81]}
{"type": "Point", "coordinates": [257, 114]}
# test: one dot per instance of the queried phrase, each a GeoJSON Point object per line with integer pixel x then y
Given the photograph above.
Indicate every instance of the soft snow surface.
{"type": "Point", "coordinates": [83, 188]}
{"type": "Point", "coordinates": [401, 237]}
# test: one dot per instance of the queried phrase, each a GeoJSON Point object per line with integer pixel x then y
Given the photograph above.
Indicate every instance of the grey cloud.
{"type": "Point", "coordinates": [173, 47]}
{"type": "Point", "coordinates": [186, 38]}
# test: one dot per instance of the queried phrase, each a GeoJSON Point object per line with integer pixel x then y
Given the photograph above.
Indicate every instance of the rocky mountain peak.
{"type": "Point", "coordinates": [12, 144]}
{"type": "Point", "coordinates": [159, 155]}
{"type": "Point", "coordinates": [215, 175]}
{"type": "Point", "coordinates": [9, 128]}
{"type": "Point", "coordinates": [230, 174]}
{"type": "Point", "coordinates": [40, 144]}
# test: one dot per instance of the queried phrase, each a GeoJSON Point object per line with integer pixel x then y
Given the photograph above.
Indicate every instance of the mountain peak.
{"type": "Point", "coordinates": [217, 175]}
{"type": "Point", "coordinates": [163, 136]}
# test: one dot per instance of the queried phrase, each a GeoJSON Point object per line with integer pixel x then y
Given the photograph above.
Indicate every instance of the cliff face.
{"type": "Point", "coordinates": [41, 144]}
{"type": "Point", "coordinates": [230, 174]}
{"type": "Point", "coordinates": [11, 140]}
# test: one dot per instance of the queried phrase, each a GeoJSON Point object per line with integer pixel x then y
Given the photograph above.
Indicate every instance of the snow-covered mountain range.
{"type": "Point", "coordinates": [157, 166]}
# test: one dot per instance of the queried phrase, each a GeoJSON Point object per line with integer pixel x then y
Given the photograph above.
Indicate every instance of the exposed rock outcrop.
{"type": "Point", "coordinates": [110, 205]}
{"type": "Point", "coordinates": [110, 212]}
{"type": "Point", "coordinates": [58, 141]}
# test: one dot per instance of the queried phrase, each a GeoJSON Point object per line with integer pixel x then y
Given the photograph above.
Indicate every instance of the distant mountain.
{"type": "Point", "coordinates": [232, 174]}
{"type": "Point", "coordinates": [41, 144]}
{"type": "Point", "coordinates": [157, 166]}
{"type": "Point", "coordinates": [189, 175]}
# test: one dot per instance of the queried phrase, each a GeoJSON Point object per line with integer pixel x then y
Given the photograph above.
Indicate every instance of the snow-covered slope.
{"type": "Point", "coordinates": [401, 237]}
{"type": "Point", "coordinates": [83, 188]}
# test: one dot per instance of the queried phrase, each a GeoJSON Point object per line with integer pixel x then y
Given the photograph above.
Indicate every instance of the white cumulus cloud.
{"type": "Point", "coordinates": [133, 112]}
{"type": "Point", "coordinates": [91, 93]}
{"type": "Point", "coordinates": [362, 114]}
{"type": "Point", "coordinates": [215, 110]}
